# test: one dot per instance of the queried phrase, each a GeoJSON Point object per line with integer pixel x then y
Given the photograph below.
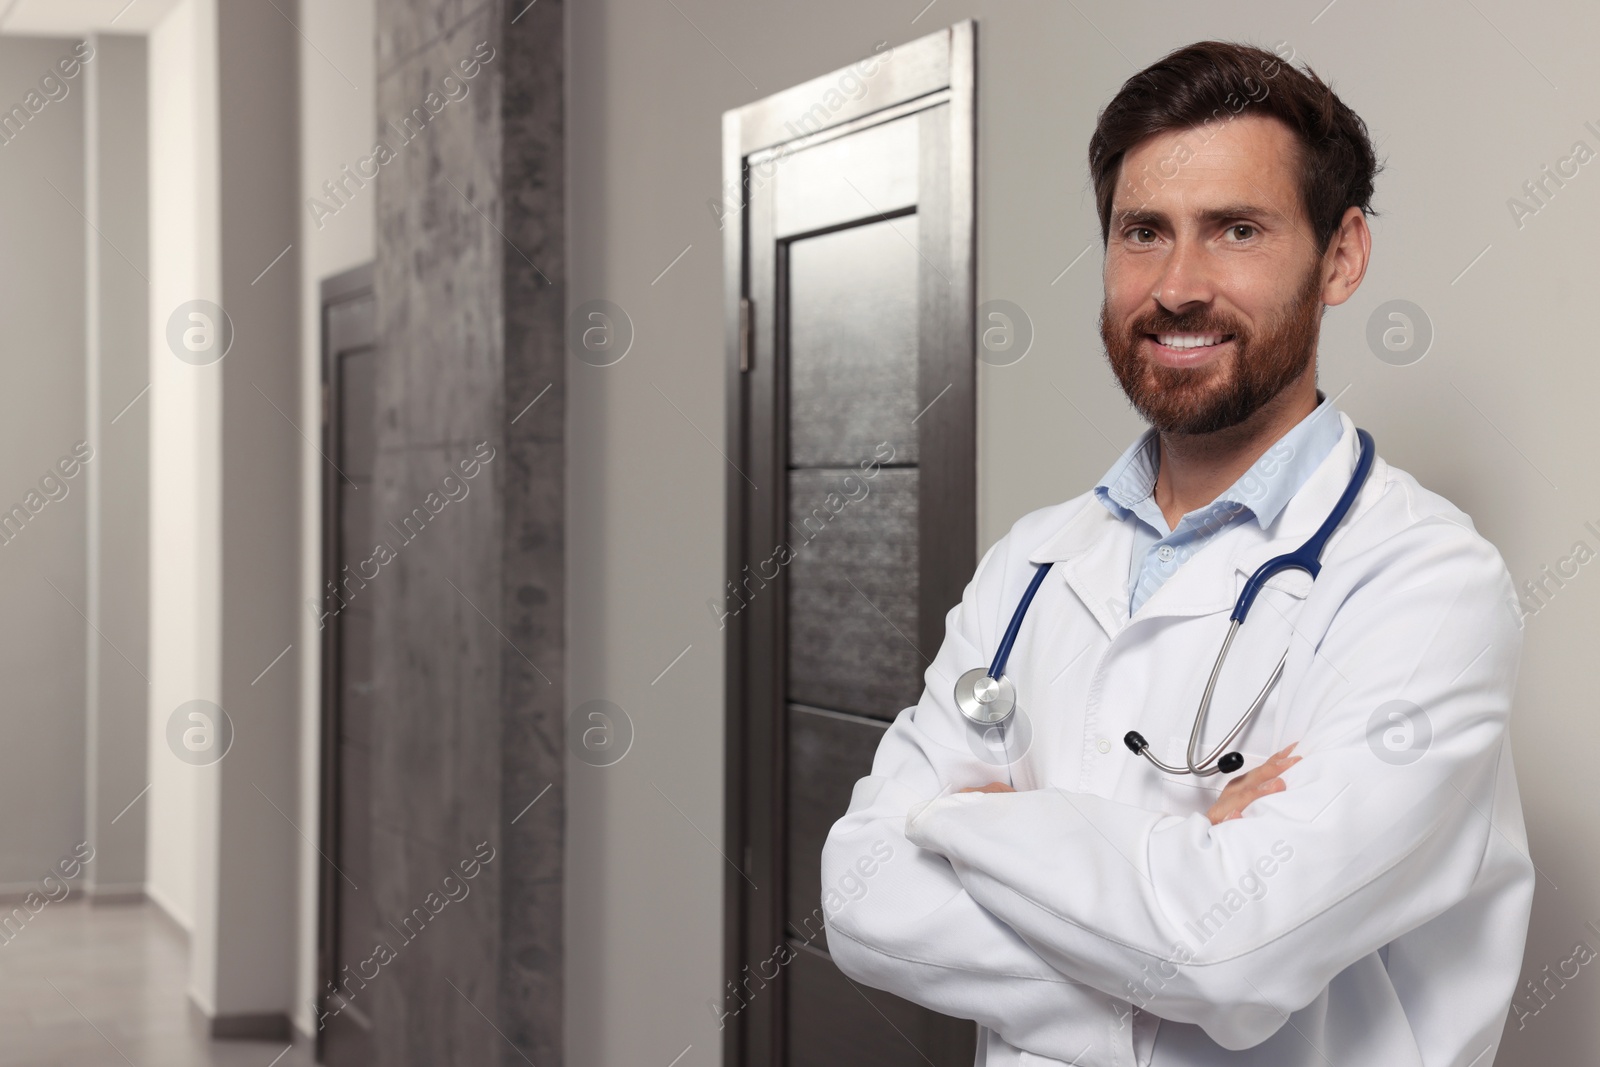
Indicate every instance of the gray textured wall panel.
{"type": "Point", "coordinates": [470, 645]}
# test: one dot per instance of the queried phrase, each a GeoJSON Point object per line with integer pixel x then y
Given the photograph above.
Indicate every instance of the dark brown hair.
{"type": "Point", "coordinates": [1211, 82]}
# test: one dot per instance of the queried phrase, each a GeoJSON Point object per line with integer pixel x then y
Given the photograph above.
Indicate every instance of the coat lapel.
{"type": "Point", "coordinates": [1090, 554]}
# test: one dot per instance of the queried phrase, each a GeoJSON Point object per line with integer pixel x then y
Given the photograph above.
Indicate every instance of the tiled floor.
{"type": "Point", "coordinates": [105, 987]}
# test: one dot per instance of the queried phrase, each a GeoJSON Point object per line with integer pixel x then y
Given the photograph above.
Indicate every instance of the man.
{"type": "Point", "coordinates": [1362, 900]}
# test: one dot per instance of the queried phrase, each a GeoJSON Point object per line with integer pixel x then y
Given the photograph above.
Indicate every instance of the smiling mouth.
{"type": "Point", "coordinates": [1183, 342]}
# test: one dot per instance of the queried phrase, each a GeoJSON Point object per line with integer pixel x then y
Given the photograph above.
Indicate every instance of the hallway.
{"type": "Point", "coordinates": [104, 986]}
{"type": "Point", "coordinates": [505, 469]}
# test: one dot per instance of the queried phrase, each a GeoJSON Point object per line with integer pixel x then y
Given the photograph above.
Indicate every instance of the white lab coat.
{"type": "Point", "coordinates": [1373, 913]}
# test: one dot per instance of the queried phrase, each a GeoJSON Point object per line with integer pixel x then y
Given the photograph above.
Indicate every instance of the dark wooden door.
{"type": "Point", "coordinates": [347, 920]}
{"type": "Point", "coordinates": [852, 509]}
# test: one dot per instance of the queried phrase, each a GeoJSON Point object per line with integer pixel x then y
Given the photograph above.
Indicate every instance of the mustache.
{"type": "Point", "coordinates": [1199, 321]}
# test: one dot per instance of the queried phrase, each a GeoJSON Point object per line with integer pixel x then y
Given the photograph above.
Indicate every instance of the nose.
{"type": "Point", "coordinates": [1185, 279]}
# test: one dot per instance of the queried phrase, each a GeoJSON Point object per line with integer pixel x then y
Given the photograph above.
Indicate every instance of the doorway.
{"type": "Point", "coordinates": [852, 505]}
{"type": "Point", "coordinates": [346, 918]}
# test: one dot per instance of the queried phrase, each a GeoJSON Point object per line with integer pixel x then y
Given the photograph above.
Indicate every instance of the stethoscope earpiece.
{"type": "Point", "coordinates": [1229, 762]}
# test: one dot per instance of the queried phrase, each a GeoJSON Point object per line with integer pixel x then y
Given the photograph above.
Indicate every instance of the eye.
{"type": "Point", "coordinates": [1137, 230]}
{"type": "Point", "coordinates": [1249, 231]}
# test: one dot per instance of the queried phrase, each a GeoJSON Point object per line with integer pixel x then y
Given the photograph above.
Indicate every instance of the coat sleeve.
{"type": "Point", "coordinates": [899, 919]}
{"type": "Point", "coordinates": [1384, 824]}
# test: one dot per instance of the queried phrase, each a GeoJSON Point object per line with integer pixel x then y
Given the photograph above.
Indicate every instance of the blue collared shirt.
{"type": "Point", "coordinates": [1128, 492]}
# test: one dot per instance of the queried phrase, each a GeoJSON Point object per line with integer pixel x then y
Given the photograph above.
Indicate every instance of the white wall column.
{"type": "Point", "coordinates": [117, 481]}
{"type": "Point", "coordinates": [225, 505]}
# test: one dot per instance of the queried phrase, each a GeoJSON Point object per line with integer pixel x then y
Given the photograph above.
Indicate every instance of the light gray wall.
{"type": "Point", "coordinates": [42, 578]}
{"type": "Point", "coordinates": [1466, 103]}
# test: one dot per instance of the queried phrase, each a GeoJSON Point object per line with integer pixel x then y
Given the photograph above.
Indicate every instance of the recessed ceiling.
{"type": "Point", "coordinates": [72, 18]}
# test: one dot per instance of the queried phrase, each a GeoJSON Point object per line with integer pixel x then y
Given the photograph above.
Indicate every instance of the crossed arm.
{"type": "Point", "coordinates": [1252, 785]}
{"type": "Point", "coordinates": [995, 905]}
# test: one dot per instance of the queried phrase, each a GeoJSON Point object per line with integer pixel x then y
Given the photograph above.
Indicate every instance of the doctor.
{"type": "Point", "coordinates": [1359, 901]}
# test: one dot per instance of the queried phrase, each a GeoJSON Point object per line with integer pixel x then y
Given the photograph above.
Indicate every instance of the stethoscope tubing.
{"type": "Point", "coordinates": [1305, 558]}
{"type": "Point", "coordinates": [1003, 653]}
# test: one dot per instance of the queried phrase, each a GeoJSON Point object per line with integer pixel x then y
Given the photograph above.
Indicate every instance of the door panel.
{"type": "Point", "coordinates": [873, 169]}
{"type": "Point", "coordinates": [851, 591]}
{"type": "Point", "coordinates": [835, 1021]}
{"type": "Point", "coordinates": [853, 343]}
{"type": "Point", "coordinates": [828, 754]}
{"type": "Point", "coordinates": [852, 526]}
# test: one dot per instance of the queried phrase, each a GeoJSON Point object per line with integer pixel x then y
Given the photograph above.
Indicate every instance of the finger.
{"type": "Point", "coordinates": [1270, 769]}
{"type": "Point", "coordinates": [1231, 807]}
{"type": "Point", "coordinates": [1277, 767]}
{"type": "Point", "coordinates": [1259, 781]}
{"type": "Point", "coordinates": [1279, 758]}
{"type": "Point", "coordinates": [1280, 761]}
{"type": "Point", "coordinates": [1255, 789]}
{"type": "Point", "coordinates": [1267, 788]}
{"type": "Point", "coordinates": [1255, 775]}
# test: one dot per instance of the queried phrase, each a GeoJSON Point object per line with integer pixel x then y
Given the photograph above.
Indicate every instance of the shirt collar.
{"type": "Point", "coordinates": [1263, 490]}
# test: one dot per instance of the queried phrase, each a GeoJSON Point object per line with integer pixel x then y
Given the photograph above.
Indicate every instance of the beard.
{"type": "Point", "coordinates": [1202, 400]}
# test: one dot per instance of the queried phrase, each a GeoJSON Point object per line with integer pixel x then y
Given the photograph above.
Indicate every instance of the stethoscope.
{"type": "Point", "coordinates": [987, 698]}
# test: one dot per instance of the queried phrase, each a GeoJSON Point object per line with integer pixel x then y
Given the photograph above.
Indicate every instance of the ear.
{"type": "Point", "coordinates": [1344, 264]}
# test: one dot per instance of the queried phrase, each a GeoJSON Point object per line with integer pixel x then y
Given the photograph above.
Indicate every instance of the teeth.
{"type": "Point", "coordinates": [1189, 340]}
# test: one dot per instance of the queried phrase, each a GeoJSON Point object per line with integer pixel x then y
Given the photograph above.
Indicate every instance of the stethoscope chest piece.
{"type": "Point", "coordinates": [983, 699]}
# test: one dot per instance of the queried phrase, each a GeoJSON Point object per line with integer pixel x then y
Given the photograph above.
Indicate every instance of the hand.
{"type": "Point", "coordinates": [1252, 785]}
{"type": "Point", "coordinates": [992, 787]}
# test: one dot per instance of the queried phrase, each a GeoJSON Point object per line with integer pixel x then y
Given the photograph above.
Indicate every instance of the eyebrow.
{"type": "Point", "coordinates": [1148, 217]}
